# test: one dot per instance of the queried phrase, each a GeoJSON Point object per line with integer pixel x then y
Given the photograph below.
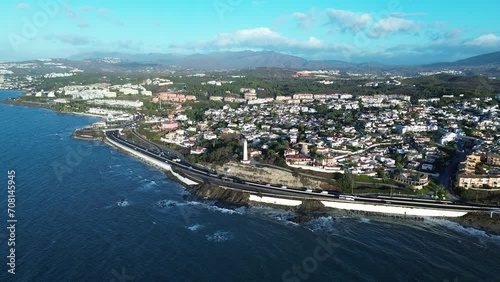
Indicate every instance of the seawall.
{"type": "Point", "coordinates": [385, 209]}
{"type": "Point", "coordinates": [153, 161]}
{"type": "Point", "coordinates": [410, 211]}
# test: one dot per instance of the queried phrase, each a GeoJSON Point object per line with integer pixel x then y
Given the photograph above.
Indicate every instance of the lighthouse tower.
{"type": "Point", "coordinates": [245, 152]}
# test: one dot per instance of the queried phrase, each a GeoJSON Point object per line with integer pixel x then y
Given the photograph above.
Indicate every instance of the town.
{"type": "Point", "coordinates": [442, 142]}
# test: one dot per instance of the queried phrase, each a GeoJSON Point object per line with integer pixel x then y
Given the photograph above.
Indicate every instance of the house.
{"type": "Point", "coordinates": [298, 159]}
{"type": "Point", "coordinates": [169, 125]}
{"type": "Point", "coordinates": [417, 180]}
{"type": "Point", "coordinates": [198, 150]}
{"type": "Point", "coordinates": [255, 153]}
{"type": "Point", "coordinates": [478, 181]}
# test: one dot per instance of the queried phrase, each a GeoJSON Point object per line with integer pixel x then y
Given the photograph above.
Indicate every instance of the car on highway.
{"type": "Point", "coordinates": [346, 197]}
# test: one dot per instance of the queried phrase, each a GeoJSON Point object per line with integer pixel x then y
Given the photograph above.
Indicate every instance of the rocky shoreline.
{"type": "Point", "coordinates": [18, 102]}
{"type": "Point", "coordinates": [308, 210]}
{"type": "Point", "coordinates": [484, 221]}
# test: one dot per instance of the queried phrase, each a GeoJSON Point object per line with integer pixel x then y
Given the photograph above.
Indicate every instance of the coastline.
{"type": "Point", "coordinates": [479, 221]}
{"type": "Point", "coordinates": [83, 114]}
{"type": "Point", "coordinates": [45, 106]}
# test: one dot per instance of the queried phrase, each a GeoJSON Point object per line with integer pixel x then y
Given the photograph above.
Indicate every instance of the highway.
{"type": "Point", "coordinates": [304, 193]}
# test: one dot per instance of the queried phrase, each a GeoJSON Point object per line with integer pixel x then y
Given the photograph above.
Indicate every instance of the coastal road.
{"type": "Point", "coordinates": [450, 169]}
{"type": "Point", "coordinates": [303, 193]}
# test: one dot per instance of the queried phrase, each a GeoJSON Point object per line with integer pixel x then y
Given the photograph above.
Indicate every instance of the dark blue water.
{"type": "Point", "coordinates": [87, 212]}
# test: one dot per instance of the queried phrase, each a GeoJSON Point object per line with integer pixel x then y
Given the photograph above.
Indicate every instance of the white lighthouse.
{"type": "Point", "coordinates": [245, 152]}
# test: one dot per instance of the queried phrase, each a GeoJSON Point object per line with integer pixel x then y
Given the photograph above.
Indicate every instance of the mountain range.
{"type": "Point", "coordinates": [256, 59]}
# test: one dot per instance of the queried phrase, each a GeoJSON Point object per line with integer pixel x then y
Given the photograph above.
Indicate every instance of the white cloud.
{"type": "Point", "coordinates": [72, 39]}
{"type": "Point", "coordinates": [82, 22]}
{"type": "Point", "coordinates": [102, 11]}
{"type": "Point", "coordinates": [69, 12]}
{"type": "Point", "coordinates": [349, 21]}
{"type": "Point", "coordinates": [407, 15]}
{"type": "Point", "coordinates": [453, 34]}
{"type": "Point", "coordinates": [486, 40]}
{"type": "Point", "coordinates": [86, 8]}
{"type": "Point", "coordinates": [23, 6]}
{"type": "Point", "coordinates": [262, 38]}
{"type": "Point", "coordinates": [305, 20]}
{"type": "Point", "coordinates": [391, 25]}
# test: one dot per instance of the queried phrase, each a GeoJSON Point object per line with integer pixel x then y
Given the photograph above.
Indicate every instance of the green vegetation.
{"type": "Point", "coordinates": [73, 106]}
{"type": "Point", "coordinates": [479, 196]}
{"type": "Point", "coordinates": [88, 78]}
{"type": "Point", "coordinates": [221, 151]}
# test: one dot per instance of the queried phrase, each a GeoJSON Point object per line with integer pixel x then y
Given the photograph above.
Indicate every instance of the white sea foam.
{"type": "Point", "coordinates": [220, 236]}
{"type": "Point", "coordinates": [212, 207]}
{"type": "Point", "coordinates": [123, 203]}
{"type": "Point", "coordinates": [195, 227]}
{"type": "Point", "coordinates": [482, 235]}
{"type": "Point", "coordinates": [149, 186]}
{"type": "Point", "coordinates": [168, 204]}
{"type": "Point", "coordinates": [208, 206]}
{"type": "Point", "coordinates": [279, 215]}
{"type": "Point", "coordinates": [364, 220]}
{"type": "Point", "coordinates": [322, 224]}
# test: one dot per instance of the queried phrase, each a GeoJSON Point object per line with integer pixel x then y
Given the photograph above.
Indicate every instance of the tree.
{"type": "Point", "coordinates": [346, 182]}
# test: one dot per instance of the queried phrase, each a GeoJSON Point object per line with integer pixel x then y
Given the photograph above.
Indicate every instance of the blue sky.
{"type": "Point", "coordinates": [387, 31]}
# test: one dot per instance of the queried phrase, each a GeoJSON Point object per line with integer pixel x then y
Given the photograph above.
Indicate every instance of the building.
{"type": "Point", "coordinates": [448, 137]}
{"type": "Point", "coordinates": [169, 125]}
{"type": "Point", "coordinates": [174, 97]}
{"type": "Point", "coordinates": [245, 153]}
{"type": "Point", "coordinates": [198, 150]}
{"type": "Point", "coordinates": [417, 180]}
{"type": "Point", "coordinates": [478, 181]}
{"type": "Point", "coordinates": [298, 159]}
{"type": "Point", "coordinates": [469, 165]}
{"type": "Point", "coordinates": [492, 159]}
{"type": "Point", "coordinates": [250, 96]}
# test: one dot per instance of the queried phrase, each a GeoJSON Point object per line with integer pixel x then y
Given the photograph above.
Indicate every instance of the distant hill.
{"type": "Point", "coordinates": [481, 60]}
{"type": "Point", "coordinates": [485, 60]}
{"type": "Point", "coordinates": [255, 59]}
{"type": "Point", "coordinates": [156, 58]}
{"type": "Point", "coordinates": [241, 60]}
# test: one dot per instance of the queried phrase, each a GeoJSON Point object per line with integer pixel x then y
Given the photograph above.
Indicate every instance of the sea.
{"type": "Point", "coordinates": [87, 212]}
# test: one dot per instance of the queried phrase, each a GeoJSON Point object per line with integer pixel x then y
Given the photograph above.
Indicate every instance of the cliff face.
{"type": "Point", "coordinates": [311, 207]}
{"type": "Point", "coordinates": [268, 175]}
{"type": "Point", "coordinates": [222, 195]}
{"type": "Point", "coordinates": [484, 221]}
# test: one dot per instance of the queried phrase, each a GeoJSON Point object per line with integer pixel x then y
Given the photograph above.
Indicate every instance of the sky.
{"type": "Point", "coordinates": [385, 31]}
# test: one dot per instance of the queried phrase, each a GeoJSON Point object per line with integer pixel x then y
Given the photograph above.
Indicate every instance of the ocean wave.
{"type": "Point", "coordinates": [220, 236]}
{"type": "Point", "coordinates": [364, 220]}
{"type": "Point", "coordinates": [212, 207]}
{"type": "Point", "coordinates": [167, 204]}
{"type": "Point", "coordinates": [322, 224]}
{"type": "Point", "coordinates": [122, 203]}
{"type": "Point", "coordinates": [482, 235]}
{"type": "Point", "coordinates": [279, 215]}
{"type": "Point", "coordinates": [195, 227]}
{"type": "Point", "coordinates": [148, 186]}
{"type": "Point", "coordinates": [208, 206]}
